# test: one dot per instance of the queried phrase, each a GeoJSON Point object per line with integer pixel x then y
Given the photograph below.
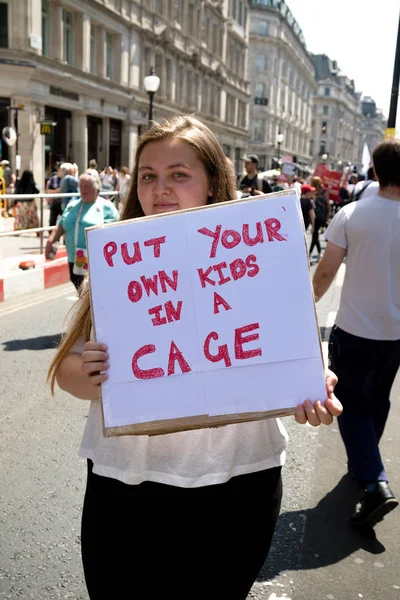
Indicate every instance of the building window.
{"type": "Point", "coordinates": [258, 130]}
{"type": "Point", "coordinates": [322, 148]}
{"type": "Point", "coordinates": [242, 114]}
{"type": "Point", "coordinates": [327, 92]}
{"type": "Point", "coordinates": [3, 24]}
{"type": "Point", "coordinates": [326, 110]}
{"type": "Point", "coordinates": [238, 160]}
{"type": "Point", "coordinates": [260, 88]}
{"type": "Point", "coordinates": [261, 63]}
{"type": "Point", "coordinates": [233, 9]}
{"type": "Point", "coordinates": [109, 55]}
{"type": "Point", "coordinates": [45, 28]}
{"type": "Point", "coordinates": [68, 28]}
{"type": "Point", "coordinates": [168, 82]}
{"type": "Point", "coordinates": [93, 52]}
{"type": "Point", "coordinates": [159, 6]}
{"type": "Point", "coordinates": [240, 15]}
{"type": "Point", "coordinates": [260, 27]}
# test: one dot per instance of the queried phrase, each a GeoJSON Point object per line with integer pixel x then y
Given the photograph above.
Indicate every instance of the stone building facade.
{"type": "Point", "coordinates": [372, 126]}
{"type": "Point", "coordinates": [282, 85]}
{"type": "Point", "coordinates": [76, 70]}
{"type": "Point", "coordinates": [336, 115]}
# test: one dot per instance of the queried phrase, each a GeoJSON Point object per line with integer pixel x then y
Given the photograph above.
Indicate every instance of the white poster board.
{"type": "Point", "coordinates": [208, 316]}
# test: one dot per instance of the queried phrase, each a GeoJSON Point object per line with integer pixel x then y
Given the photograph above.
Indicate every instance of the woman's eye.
{"type": "Point", "coordinates": [179, 175]}
{"type": "Point", "coordinates": [148, 177]}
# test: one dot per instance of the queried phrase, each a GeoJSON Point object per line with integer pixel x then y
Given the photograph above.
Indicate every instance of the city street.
{"type": "Point", "coordinates": [314, 555]}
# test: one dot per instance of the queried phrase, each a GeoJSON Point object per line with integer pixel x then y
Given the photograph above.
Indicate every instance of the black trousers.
{"type": "Point", "coordinates": [366, 370]}
{"type": "Point", "coordinates": [153, 540]}
{"type": "Point", "coordinates": [315, 236]}
{"type": "Point", "coordinates": [75, 279]}
{"type": "Point", "coordinates": [56, 210]}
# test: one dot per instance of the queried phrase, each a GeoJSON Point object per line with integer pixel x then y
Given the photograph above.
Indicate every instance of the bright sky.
{"type": "Point", "coordinates": [360, 35]}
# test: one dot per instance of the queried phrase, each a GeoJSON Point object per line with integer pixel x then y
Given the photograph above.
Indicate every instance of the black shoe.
{"type": "Point", "coordinates": [375, 505]}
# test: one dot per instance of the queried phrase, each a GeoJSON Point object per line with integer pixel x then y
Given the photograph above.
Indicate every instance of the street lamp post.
{"type": "Point", "coordinates": [279, 140]}
{"type": "Point", "coordinates": [151, 85]}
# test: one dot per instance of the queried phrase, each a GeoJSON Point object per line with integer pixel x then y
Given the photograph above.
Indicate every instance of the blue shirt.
{"type": "Point", "coordinates": [93, 213]}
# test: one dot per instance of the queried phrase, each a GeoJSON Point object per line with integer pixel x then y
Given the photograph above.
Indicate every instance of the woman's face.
{"type": "Point", "coordinates": [171, 177]}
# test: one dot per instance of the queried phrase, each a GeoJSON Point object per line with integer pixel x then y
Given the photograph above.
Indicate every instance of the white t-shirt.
{"type": "Point", "coordinates": [370, 300]}
{"type": "Point", "coordinates": [186, 459]}
{"type": "Point", "coordinates": [372, 189]}
{"type": "Point", "coordinates": [124, 184]}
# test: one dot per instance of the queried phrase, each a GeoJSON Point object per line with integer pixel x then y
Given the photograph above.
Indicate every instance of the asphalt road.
{"type": "Point", "coordinates": [314, 555]}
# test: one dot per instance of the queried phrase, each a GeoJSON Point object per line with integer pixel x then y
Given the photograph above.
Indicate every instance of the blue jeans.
{"type": "Point", "coordinates": [366, 370]}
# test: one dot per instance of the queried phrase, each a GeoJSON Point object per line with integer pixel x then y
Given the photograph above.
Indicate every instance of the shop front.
{"type": "Point", "coordinates": [58, 142]}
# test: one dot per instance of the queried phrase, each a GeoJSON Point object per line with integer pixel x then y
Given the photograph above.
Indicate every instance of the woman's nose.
{"type": "Point", "coordinates": [161, 186]}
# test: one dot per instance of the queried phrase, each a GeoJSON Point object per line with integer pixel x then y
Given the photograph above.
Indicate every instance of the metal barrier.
{"type": "Point", "coordinates": [41, 197]}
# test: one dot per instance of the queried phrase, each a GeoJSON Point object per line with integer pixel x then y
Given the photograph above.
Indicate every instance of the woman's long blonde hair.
{"type": "Point", "coordinates": [209, 152]}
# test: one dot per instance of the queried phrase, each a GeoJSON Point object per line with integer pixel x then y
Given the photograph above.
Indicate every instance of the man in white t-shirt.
{"type": "Point", "coordinates": [366, 188]}
{"type": "Point", "coordinates": [365, 341]}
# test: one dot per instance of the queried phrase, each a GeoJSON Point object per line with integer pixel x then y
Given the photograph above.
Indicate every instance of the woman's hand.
{"type": "Point", "coordinates": [321, 412]}
{"type": "Point", "coordinates": [95, 363]}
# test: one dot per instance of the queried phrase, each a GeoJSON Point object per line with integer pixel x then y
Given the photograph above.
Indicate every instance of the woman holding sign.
{"type": "Point", "coordinates": [179, 506]}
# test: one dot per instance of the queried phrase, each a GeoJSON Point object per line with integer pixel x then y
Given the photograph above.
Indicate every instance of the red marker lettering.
{"type": "Point", "coordinates": [109, 250]}
{"type": "Point", "coordinates": [145, 373]}
{"type": "Point", "coordinates": [219, 301]}
{"type": "Point", "coordinates": [156, 243]}
{"type": "Point", "coordinates": [157, 320]}
{"type": "Point", "coordinates": [253, 269]}
{"type": "Point", "coordinates": [173, 314]}
{"type": "Point", "coordinates": [164, 279]}
{"type": "Point", "coordinates": [204, 279]}
{"type": "Point", "coordinates": [223, 353]}
{"type": "Point", "coordinates": [135, 291]}
{"type": "Point", "coordinates": [176, 355]}
{"type": "Point", "coordinates": [273, 226]}
{"type": "Point", "coordinates": [241, 354]}
{"type": "Point", "coordinates": [238, 269]}
{"type": "Point", "coordinates": [249, 241]}
{"type": "Point", "coordinates": [150, 284]}
{"type": "Point", "coordinates": [236, 239]}
{"type": "Point", "coordinates": [222, 278]}
{"type": "Point", "coordinates": [137, 255]}
{"type": "Point", "coordinates": [215, 235]}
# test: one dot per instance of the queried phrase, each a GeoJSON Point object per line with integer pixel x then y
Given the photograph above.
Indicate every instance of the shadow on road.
{"type": "Point", "coordinates": [44, 342]}
{"type": "Point", "coordinates": [320, 536]}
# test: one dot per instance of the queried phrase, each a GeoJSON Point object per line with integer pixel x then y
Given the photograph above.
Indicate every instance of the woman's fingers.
{"type": "Point", "coordinates": [323, 413]}
{"type": "Point", "coordinates": [94, 367]}
{"type": "Point", "coordinates": [94, 356]}
{"type": "Point", "coordinates": [300, 415]}
{"type": "Point", "coordinates": [98, 378]}
{"type": "Point", "coordinates": [334, 406]}
{"type": "Point", "coordinates": [311, 413]}
{"type": "Point", "coordinates": [331, 381]}
{"type": "Point", "coordinates": [88, 346]}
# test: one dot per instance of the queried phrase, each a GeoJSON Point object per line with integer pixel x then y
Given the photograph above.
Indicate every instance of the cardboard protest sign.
{"type": "Point", "coordinates": [330, 180]}
{"type": "Point", "coordinates": [208, 315]}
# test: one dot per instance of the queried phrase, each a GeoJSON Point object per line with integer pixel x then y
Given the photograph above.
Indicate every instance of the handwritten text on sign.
{"type": "Point", "coordinates": [186, 299]}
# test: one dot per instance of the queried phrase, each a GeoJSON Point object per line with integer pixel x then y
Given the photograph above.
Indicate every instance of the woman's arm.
{"type": "Point", "coordinates": [81, 374]}
{"type": "Point", "coordinates": [53, 238]}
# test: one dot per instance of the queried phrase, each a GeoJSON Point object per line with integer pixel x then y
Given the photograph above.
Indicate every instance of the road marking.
{"type": "Point", "coordinates": [340, 275]}
{"type": "Point", "coordinates": [25, 304]}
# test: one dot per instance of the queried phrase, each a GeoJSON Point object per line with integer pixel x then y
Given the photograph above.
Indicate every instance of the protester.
{"type": "Point", "coordinates": [92, 169]}
{"type": "Point", "coordinates": [307, 205]}
{"type": "Point", "coordinates": [26, 216]}
{"type": "Point", "coordinates": [69, 182]}
{"type": "Point", "coordinates": [322, 209]}
{"type": "Point", "coordinates": [365, 341]}
{"type": "Point", "coordinates": [253, 184]}
{"type": "Point", "coordinates": [107, 177]}
{"type": "Point", "coordinates": [366, 188]}
{"type": "Point", "coordinates": [88, 210]}
{"type": "Point", "coordinates": [9, 180]}
{"type": "Point", "coordinates": [53, 187]}
{"type": "Point", "coordinates": [198, 488]}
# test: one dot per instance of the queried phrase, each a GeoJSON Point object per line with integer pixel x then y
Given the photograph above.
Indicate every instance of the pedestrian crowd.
{"type": "Point", "coordinates": [139, 488]}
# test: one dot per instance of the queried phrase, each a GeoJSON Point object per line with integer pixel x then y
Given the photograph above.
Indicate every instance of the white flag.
{"type": "Point", "coordinates": [366, 159]}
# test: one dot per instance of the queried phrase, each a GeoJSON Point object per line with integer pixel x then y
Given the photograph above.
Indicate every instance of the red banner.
{"type": "Point", "coordinates": [330, 180]}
